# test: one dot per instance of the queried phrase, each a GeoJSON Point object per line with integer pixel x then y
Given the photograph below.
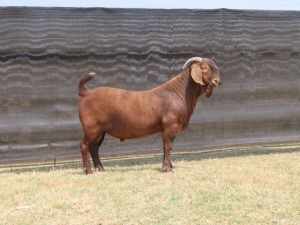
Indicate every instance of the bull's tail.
{"type": "Point", "coordinates": [85, 78]}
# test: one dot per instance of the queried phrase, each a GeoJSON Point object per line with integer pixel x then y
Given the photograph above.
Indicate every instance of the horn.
{"type": "Point", "coordinates": [191, 60]}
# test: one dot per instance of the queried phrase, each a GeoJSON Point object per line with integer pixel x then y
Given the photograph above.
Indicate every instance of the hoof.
{"type": "Point", "coordinates": [99, 169]}
{"type": "Point", "coordinates": [88, 171]}
{"type": "Point", "coordinates": [167, 169]}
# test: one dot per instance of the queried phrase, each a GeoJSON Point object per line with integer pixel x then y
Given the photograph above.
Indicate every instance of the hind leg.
{"type": "Point", "coordinates": [94, 151]}
{"type": "Point", "coordinates": [84, 148]}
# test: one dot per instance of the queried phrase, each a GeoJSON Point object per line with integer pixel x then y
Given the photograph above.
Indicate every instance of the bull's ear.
{"type": "Point", "coordinates": [196, 74]}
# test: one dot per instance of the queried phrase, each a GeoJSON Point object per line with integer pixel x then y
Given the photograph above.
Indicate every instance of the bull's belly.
{"type": "Point", "coordinates": [123, 133]}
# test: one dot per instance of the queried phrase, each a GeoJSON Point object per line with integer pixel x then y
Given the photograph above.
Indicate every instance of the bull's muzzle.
{"type": "Point", "coordinates": [216, 82]}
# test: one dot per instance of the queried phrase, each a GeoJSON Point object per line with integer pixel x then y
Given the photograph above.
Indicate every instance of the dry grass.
{"type": "Point", "coordinates": [235, 187]}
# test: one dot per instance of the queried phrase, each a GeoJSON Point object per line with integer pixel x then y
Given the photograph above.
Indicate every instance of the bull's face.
{"type": "Point", "coordinates": [204, 72]}
{"type": "Point", "coordinates": [210, 73]}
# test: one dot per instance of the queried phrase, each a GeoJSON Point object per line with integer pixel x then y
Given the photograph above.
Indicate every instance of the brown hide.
{"type": "Point", "coordinates": [132, 114]}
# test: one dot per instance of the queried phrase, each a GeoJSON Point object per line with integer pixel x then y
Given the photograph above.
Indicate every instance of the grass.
{"type": "Point", "coordinates": [251, 186]}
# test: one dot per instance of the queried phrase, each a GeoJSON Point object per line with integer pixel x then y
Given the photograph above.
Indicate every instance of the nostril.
{"type": "Point", "coordinates": [215, 81]}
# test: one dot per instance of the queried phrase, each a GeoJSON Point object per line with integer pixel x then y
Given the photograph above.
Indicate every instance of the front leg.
{"type": "Point", "coordinates": [168, 138]}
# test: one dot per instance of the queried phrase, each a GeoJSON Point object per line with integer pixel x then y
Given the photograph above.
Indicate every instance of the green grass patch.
{"type": "Point", "coordinates": [224, 187]}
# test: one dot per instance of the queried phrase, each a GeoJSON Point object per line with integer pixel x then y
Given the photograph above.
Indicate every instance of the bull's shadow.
{"type": "Point", "coordinates": [126, 163]}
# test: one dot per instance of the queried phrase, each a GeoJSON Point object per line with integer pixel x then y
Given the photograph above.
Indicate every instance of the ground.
{"type": "Point", "coordinates": [236, 186]}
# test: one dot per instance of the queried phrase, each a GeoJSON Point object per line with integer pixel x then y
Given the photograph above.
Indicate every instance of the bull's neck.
{"type": "Point", "coordinates": [186, 89]}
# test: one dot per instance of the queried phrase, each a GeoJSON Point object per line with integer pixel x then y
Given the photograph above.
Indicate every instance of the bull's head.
{"type": "Point", "coordinates": [204, 72]}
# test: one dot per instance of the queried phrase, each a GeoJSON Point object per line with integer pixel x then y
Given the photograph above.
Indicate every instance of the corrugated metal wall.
{"type": "Point", "coordinates": [44, 52]}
